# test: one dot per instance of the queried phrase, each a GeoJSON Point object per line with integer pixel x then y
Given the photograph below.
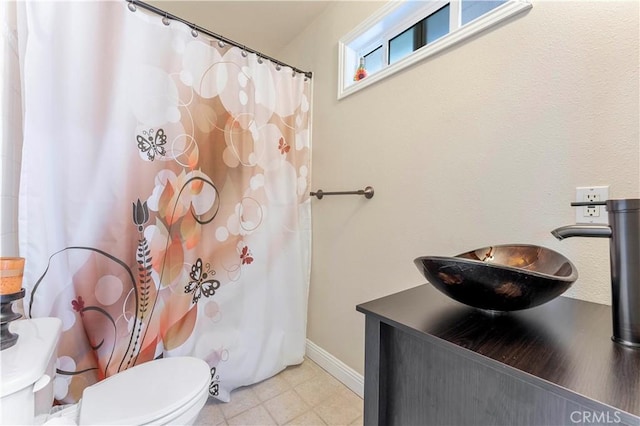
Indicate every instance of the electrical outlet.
{"type": "Point", "coordinates": [592, 214]}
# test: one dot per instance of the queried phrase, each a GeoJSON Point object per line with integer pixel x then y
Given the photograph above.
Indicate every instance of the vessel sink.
{"type": "Point", "coordinates": [501, 277]}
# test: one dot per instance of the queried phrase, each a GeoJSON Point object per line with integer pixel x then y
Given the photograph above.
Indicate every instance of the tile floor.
{"type": "Point", "coordinates": [303, 394]}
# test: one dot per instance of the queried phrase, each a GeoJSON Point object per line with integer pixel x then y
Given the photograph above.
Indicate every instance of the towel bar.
{"type": "Point", "coordinates": [367, 192]}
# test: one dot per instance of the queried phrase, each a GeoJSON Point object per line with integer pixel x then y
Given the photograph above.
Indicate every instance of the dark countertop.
{"type": "Point", "coordinates": [565, 342]}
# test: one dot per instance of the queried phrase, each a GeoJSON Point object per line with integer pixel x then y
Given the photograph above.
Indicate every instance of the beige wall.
{"type": "Point", "coordinates": [483, 144]}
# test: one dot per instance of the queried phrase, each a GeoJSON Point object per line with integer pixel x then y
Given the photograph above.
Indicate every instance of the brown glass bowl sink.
{"type": "Point", "coordinates": [502, 277]}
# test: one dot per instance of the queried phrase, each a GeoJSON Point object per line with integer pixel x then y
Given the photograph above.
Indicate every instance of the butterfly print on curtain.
{"type": "Point", "coordinates": [283, 146]}
{"type": "Point", "coordinates": [246, 256]}
{"type": "Point", "coordinates": [199, 285]}
{"type": "Point", "coordinates": [152, 144]}
{"type": "Point", "coordinates": [214, 384]}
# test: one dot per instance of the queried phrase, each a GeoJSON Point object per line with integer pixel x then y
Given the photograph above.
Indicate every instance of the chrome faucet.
{"type": "Point", "coordinates": [624, 250]}
{"type": "Point", "coordinates": [598, 231]}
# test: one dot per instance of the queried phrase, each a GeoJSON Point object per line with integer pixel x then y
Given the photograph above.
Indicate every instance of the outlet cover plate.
{"type": "Point", "coordinates": [595, 214]}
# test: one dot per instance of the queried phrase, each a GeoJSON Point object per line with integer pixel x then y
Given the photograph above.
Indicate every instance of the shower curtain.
{"type": "Point", "coordinates": [164, 206]}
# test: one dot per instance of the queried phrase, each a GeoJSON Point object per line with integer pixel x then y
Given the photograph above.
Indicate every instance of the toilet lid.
{"type": "Point", "coordinates": [26, 362]}
{"type": "Point", "coordinates": [145, 392]}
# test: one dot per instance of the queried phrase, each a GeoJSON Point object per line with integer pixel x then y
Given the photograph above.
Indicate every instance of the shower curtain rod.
{"type": "Point", "coordinates": [134, 3]}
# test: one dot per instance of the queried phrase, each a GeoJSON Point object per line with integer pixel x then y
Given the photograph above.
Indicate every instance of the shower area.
{"type": "Point", "coordinates": [160, 191]}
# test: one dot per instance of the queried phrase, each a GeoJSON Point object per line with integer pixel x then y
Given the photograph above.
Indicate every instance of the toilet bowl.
{"type": "Point", "coordinates": [164, 391]}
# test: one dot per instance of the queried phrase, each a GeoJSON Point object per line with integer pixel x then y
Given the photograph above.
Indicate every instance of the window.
{"type": "Point", "coordinates": [426, 31]}
{"type": "Point", "coordinates": [404, 32]}
{"type": "Point", "coordinates": [373, 60]}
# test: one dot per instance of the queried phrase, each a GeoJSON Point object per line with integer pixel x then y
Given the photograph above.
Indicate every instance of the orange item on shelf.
{"type": "Point", "coordinates": [361, 72]}
{"type": "Point", "coordinates": [11, 270]}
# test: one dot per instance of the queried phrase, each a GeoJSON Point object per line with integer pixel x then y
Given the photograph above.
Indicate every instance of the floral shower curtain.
{"type": "Point", "coordinates": [164, 206]}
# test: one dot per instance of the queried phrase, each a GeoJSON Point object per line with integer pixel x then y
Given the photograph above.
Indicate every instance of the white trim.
{"type": "Point", "coordinates": [338, 369]}
{"type": "Point", "coordinates": [347, 55]}
{"type": "Point", "coordinates": [455, 17]}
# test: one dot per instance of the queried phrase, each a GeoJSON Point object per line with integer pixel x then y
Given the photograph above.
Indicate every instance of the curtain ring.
{"type": "Point", "coordinates": [259, 59]}
{"type": "Point", "coordinates": [278, 67]}
{"type": "Point", "coordinates": [221, 44]}
{"type": "Point", "coordinates": [194, 32]}
{"type": "Point", "coordinates": [131, 6]}
{"type": "Point", "coordinates": [244, 52]}
{"type": "Point", "coordinates": [166, 20]}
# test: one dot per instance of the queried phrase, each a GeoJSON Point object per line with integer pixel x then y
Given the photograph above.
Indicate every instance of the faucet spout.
{"type": "Point", "coordinates": [599, 231]}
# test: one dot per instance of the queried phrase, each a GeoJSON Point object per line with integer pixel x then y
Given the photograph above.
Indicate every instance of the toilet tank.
{"type": "Point", "coordinates": [28, 369]}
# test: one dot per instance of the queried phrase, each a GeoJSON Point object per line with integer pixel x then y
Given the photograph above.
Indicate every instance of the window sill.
{"type": "Point", "coordinates": [501, 13]}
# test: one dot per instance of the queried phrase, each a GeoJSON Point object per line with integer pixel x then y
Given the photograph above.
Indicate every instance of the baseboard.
{"type": "Point", "coordinates": [338, 369]}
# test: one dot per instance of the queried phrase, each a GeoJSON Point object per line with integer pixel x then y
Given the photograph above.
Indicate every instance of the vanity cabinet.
{"type": "Point", "coordinates": [432, 361]}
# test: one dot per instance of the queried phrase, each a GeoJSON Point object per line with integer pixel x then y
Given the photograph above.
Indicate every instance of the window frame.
{"type": "Point", "coordinates": [398, 16]}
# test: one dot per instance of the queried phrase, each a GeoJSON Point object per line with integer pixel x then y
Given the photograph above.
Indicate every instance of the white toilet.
{"type": "Point", "coordinates": [164, 391]}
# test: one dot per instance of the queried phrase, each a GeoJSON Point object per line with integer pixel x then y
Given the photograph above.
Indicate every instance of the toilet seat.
{"type": "Point", "coordinates": [153, 392]}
